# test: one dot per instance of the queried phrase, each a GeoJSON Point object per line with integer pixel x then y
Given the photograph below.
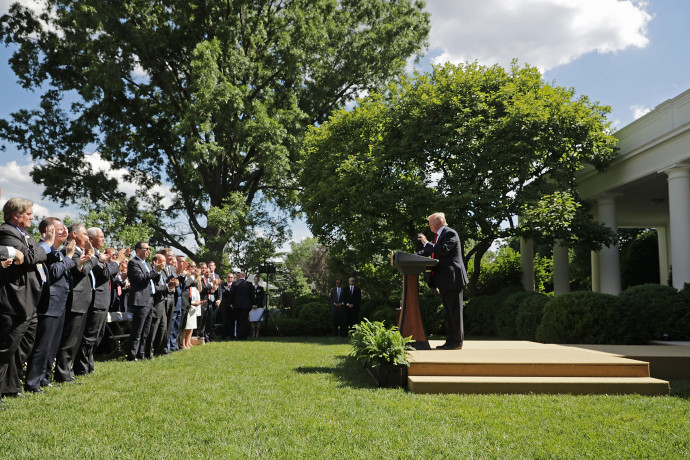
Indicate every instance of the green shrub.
{"type": "Point", "coordinates": [654, 312]}
{"type": "Point", "coordinates": [529, 315]}
{"type": "Point", "coordinates": [505, 270]}
{"type": "Point", "coordinates": [581, 317]}
{"type": "Point", "coordinates": [386, 315]}
{"type": "Point", "coordinates": [431, 309]}
{"type": "Point", "coordinates": [371, 305]}
{"type": "Point", "coordinates": [506, 314]}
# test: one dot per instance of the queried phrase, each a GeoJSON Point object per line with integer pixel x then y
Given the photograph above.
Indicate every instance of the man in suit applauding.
{"type": "Point", "coordinates": [21, 285]}
{"type": "Point", "coordinates": [142, 280]}
{"type": "Point", "coordinates": [449, 276]}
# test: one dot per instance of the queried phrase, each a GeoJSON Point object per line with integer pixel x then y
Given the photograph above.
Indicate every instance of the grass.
{"type": "Point", "coordinates": [305, 398]}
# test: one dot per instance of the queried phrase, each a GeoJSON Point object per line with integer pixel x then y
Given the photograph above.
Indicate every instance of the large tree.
{"type": "Point", "coordinates": [483, 144]}
{"type": "Point", "coordinates": [210, 98]}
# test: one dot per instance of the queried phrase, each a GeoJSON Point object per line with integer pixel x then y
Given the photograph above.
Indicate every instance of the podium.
{"type": "Point", "coordinates": [410, 320]}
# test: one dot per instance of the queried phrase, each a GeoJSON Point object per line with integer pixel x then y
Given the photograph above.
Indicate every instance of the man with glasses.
{"type": "Point", "coordinates": [142, 279]}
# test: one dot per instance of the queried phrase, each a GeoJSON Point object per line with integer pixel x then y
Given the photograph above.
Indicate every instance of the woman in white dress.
{"type": "Point", "coordinates": [194, 311]}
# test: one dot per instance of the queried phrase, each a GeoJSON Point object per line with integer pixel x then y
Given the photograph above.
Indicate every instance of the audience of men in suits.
{"type": "Point", "coordinates": [55, 296]}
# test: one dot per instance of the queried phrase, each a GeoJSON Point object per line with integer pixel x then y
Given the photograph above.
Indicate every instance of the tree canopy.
{"type": "Point", "coordinates": [210, 98]}
{"type": "Point", "coordinates": [482, 144]}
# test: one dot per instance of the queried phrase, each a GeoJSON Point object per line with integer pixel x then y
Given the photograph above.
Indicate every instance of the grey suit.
{"type": "Point", "coordinates": [140, 303]}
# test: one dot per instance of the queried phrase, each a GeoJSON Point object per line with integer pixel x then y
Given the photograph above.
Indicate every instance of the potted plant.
{"type": "Point", "coordinates": [382, 351]}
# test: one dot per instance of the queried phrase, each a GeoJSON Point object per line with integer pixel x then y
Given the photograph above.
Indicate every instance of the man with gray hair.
{"type": "Point", "coordinates": [100, 275]}
{"type": "Point", "coordinates": [78, 303]}
{"type": "Point", "coordinates": [20, 289]}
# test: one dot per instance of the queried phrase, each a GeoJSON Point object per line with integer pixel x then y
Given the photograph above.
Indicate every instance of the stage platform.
{"type": "Point", "coordinates": [529, 367]}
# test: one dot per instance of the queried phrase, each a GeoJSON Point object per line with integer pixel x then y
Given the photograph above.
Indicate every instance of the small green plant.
{"type": "Point", "coordinates": [374, 344]}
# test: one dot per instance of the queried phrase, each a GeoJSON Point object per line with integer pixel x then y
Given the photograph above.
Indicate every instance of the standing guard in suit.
{"type": "Point", "coordinates": [338, 309]}
{"type": "Point", "coordinates": [51, 308]}
{"type": "Point", "coordinates": [353, 299]}
{"type": "Point", "coordinates": [242, 299]}
{"type": "Point", "coordinates": [78, 302]}
{"type": "Point", "coordinates": [449, 276]}
{"type": "Point", "coordinates": [142, 280]}
{"type": "Point", "coordinates": [21, 286]}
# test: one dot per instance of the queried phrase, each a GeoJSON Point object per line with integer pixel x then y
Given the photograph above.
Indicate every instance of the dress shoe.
{"type": "Point", "coordinates": [18, 394]}
{"type": "Point", "coordinates": [33, 390]}
{"type": "Point", "coordinates": [454, 346]}
{"type": "Point", "coordinates": [48, 385]}
{"type": "Point", "coordinates": [442, 347]}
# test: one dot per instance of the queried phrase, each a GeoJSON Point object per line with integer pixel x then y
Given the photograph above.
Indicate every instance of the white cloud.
{"type": "Point", "coordinates": [639, 111]}
{"type": "Point", "coordinates": [129, 188]}
{"type": "Point", "coordinates": [543, 33]}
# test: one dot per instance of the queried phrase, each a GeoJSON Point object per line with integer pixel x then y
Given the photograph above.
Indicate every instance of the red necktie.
{"type": "Point", "coordinates": [435, 239]}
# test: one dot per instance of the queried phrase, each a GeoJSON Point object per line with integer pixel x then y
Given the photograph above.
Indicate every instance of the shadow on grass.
{"type": "Point", "coordinates": [347, 370]}
{"type": "Point", "coordinates": [680, 388]}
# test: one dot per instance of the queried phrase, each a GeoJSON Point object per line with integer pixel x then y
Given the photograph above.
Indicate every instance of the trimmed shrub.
{"type": "Point", "coordinates": [376, 304]}
{"type": "Point", "coordinates": [431, 309]}
{"type": "Point", "coordinates": [581, 317]}
{"type": "Point", "coordinates": [506, 314]}
{"type": "Point", "coordinates": [529, 315]}
{"type": "Point", "coordinates": [654, 312]}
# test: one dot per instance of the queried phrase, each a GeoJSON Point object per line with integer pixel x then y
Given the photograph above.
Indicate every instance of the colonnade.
{"type": "Point", "coordinates": [674, 243]}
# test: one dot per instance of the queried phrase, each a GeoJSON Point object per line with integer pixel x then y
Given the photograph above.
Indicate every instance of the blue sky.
{"type": "Point", "coordinates": [630, 55]}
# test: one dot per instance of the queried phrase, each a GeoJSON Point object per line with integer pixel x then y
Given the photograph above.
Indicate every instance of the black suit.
{"type": "Point", "coordinates": [353, 297]}
{"type": "Point", "coordinates": [20, 292]}
{"type": "Point", "coordinates": [242, 299]}
{"type": "Point", "coordinates": [96, 315]}
{"type": "Point", "coordinates": [140, 303]}
{"type": "Point", "coordinates": [449, 277]}
{"type": "Point", "coordinates": [157, 338]}
{"type": "Point", "coordinates": [226, 311]}
{"type": "Point", "coordinates": [78, 303]}
{"type": "Point", "coordinates": [51, 319]}
{"type": "Point", "coordinates": [338, 311]}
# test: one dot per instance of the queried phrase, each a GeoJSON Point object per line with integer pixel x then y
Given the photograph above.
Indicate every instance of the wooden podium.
{"type": "Point", "coordinates": [410, 320]}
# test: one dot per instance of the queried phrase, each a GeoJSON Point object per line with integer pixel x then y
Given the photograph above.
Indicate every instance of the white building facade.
{"type": "Point", "coordinates": [647, 186]}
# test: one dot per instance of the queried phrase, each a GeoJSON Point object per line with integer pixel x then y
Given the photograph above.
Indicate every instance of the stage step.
{"type": "Point", "coordinates": [646, 386]}
{"type": "Point", "coordinates": [528, 367]}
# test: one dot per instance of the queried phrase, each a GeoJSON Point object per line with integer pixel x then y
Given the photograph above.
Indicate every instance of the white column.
{"type": "Point", "coordinates": [561, 268]}
{"type": "Point", "coordinates": [596, 286]}
{"type": "Point", "coordinates": [679, 212]}
{"type": "Point", "coordinates": [527, 263]}
{"type": "Point", "coordinates": [662, 238]}
{"type": "Point", "coordinates": [609, 257]}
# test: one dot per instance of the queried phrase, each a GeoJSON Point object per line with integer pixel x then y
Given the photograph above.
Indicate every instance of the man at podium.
{"type": "Point", "coordinates": [449, 276]}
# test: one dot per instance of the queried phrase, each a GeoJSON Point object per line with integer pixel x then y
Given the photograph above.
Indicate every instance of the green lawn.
{"type": "Point", "coordinates": [305, 398]}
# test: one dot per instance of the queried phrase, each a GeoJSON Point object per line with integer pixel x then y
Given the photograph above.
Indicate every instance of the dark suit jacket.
{"type": "Point", "coordinates": [334, 296]}
{"type": "Point", "coordinates": [258, 296]}
{"type": "Point", "coordinates": [81, 297]}
{"type": "Point", "coordinates": [139, 283]}
{"type": "Point", "coordinates": [450, 272]}
{"type": "Point", "coordinates": [242, 295]}
{"type": "Point", "coordinates": [59, 273]}
{"type": "Point", "coordinates": [20, 285]}
{"type": "Point", "coordinates": [224, 291]}
{"type": "Point", "coordinates": [103, 272]}
{"type": "Point", "coordinates": [355, 298]}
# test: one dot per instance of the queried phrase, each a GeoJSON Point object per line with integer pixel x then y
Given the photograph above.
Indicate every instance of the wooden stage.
{"type": "Point", "coordinates": [529, 367]}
